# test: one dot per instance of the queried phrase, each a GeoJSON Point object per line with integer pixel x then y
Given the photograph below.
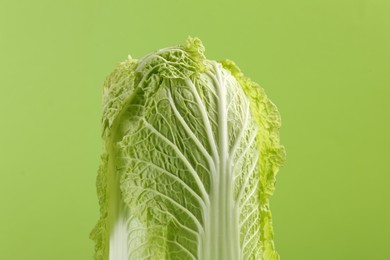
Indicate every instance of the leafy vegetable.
{"type": "Point", "coordinates": [189, 160]}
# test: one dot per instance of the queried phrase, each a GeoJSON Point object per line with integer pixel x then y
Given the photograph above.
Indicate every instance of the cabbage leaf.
{"type": "Point", "coordinates": [191, 150]}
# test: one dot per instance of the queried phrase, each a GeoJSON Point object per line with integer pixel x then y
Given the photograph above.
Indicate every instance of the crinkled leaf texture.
{"type": "Point", "coordinates": [189, 160]}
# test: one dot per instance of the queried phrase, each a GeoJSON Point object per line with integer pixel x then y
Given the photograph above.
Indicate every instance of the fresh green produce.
{"type": "Point", "coordinates": [191, 150]}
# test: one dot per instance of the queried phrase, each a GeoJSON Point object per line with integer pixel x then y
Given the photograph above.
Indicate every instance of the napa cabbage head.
{"type": "Point", "coordinates": [191, 149]}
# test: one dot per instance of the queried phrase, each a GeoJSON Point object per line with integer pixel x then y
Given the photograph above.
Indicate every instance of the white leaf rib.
{"type": "Point", "coordinates": [248, 230]}
{"type": "Point", "coordinates": [247, 177]}
{"type": "Point", "coordinates": [193, 232]}
{"type": "Point", "coordinates": [169, 125]}
{"type": "Point", "coordinates": [189, 131]}
{"type": "Point", "coordinates": [235, 96]}
{"type": "Point", "coordinates": [183, 248]}
{"type": "Point", "coordinates": [252, 249]}
{"type": "Point", "coordinates": [205, 118]}
{"type": "Point", "coordinates": [251, 238]}
{"type": "Point", "coordinates": [240, 136]}
{"type": "Point", "coordinates": [170, 174]}
{"type": "Point", "coordinates": [249, 196]}
{"type": "Point", "coordinates": [210, 89]}
{"type": "Point", "coordinates": [174, 202]}
{"type": "Point", "coordinates": [183, 158]}
{"type": "Point", "coordinates": [251, 141]}
{"type": "Point", "coordinates": [248, 216]}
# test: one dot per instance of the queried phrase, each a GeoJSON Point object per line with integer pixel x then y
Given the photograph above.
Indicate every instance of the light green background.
{"type": "Point", "coordinates": [326, 64]}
